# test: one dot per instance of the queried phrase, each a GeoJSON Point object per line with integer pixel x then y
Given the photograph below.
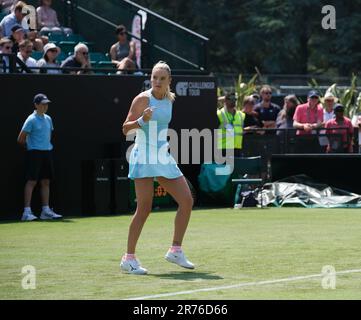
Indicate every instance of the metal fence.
{"type": "Point", "coordinates": [268, 142]}
{"type": "Point", "coordinates": [161, 39]}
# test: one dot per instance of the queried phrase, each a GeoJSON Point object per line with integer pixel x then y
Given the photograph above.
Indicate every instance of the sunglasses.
{"type": "Point", "coordinates": [8, 48]}
{"type": "Point", "coordinates": [85, 53]}
{"type": "Point", "coordinates": [314, 97]}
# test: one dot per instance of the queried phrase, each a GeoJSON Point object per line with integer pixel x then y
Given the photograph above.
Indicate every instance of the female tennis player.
{"type": "Point", "coordinates": [150, 113]}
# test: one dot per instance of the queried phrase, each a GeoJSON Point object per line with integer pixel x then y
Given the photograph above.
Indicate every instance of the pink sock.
{"type": "Point", "coordinates": [175, 249]}
{"type": "Point", "coordinates": [128, 256]}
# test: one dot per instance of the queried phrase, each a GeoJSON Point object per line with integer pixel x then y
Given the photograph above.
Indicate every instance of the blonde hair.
{"type": "Point", "coordinates": [164, 66]}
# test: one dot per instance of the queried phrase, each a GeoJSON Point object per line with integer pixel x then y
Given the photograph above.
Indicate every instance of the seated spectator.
{"type": "Point", "coordinates": [7, 5]}
{"type": "Point", "coordinates": [17, 36]}
{"type": "Point", "coordinates": [6, 46]}
{"type": "Point", "coordinates": [266, 110]}
{"type": "Point", "coordinates": [309, 116]}
{"type": "Point", "coordinates": [12, 19]}
{"type": "Point", "coordinates": [37, 42]}
{"type": "Point", "coordinates": [126, 66]}
{"type": "Point", "coordinates": [24, 54]}
{"type": "Point", "coordinates": [250, 121]}
{"type": "Point", "coordinates": [285, 117]}
{"type": "Point", "coordinates": [80, 59]}
{"type": "Point", "coordinates": [51, 52]}
{"type": "Point", "coordinates": [340, 121]}
{"type": "Point", "coordinates": [329, 102]}
{"type": "Point", "coordinates": [48, 19]}
{"type": "Point", "coordinates": [15, 20]}
{"type": "Point", "coordinates": [122, 53]}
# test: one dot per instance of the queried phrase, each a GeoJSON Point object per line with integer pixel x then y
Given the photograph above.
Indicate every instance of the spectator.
{"type": "Point", "coordinates": [17, 36]}
{"type": "Point", "coordinates": [340, 121]}
{"type": "Point", "coordinates": [329, 102]}
{"type": "Point", "coordinates": [309, 116]}
{"type": "Point", "coordinates": [126, 66]}
{"type": "Point", "coordinates": [48, 19]}
{"type": "Point", "coordinates": [122, 53]}
{"type": "Point", "coordinates": [5, 47]}
{"type": "Point", "coordinates": [285, 117]}
{"type": "Point", "coordinates": [231, 120]}
{"type": "Point", "coordinates": [12, 19]}
{"type": "Point", "coordinates": [38, 43]}
{"type": "Point", "coordinates": [250, 121]}
{"type": "Point", "coordinates": [26, 49]}
{"type": "Point", "coordinates": [51, 52]}
{"type": "Point", "coordinates": [256, 97]}
{"type": "Point", "coordinates": [80, 59]}
{"type": "Point", "coordinates": [356, 122]}
{"type": "Point", "coordinates": [36, 135]}
{"type": "Point", "coordinates": [266, 110]}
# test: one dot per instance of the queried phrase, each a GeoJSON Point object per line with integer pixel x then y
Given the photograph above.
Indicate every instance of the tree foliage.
{"type": "Point", "coordinates": [277, 36]}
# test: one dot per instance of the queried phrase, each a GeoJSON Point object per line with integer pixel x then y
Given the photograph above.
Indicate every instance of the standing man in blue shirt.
{"type": "Point", "coordinates": [36, 135]}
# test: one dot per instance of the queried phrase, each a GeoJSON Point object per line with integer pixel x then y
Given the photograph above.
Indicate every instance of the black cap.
{"type": "Point", "coordinates": [313, 93]}
{"type": "Point", "coordinates": [16, 28]}
{"type": "Point", "coordinates": [338, 108]}
{"type": "Point", "coordinates": [41, 99]}
{"type": "Point", "coordinates": [231, 96]}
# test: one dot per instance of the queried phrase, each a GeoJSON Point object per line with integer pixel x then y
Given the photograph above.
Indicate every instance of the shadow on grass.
{"type": "Point", "coordinates": [36, 221]}
{"type": "Point", "coordinates": [57, 221]}
{"type": "Point", "coordinates": [187, 276]}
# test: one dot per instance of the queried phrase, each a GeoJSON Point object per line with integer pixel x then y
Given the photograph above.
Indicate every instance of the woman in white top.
{"type": "Point", "coordinates": [51, 52]}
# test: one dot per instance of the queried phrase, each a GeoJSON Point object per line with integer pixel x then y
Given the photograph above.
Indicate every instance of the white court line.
{"type": "Point", "coordinates": [242, 285]}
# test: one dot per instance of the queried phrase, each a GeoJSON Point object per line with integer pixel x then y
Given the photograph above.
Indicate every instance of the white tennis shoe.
{"type": "Point", "coordinates": [49, 215]}
{"type": "Point", "coordinates": [179, 258]}
{"type": "Point", "coordinates": [28, 216]}
{"type": "Point", "coordinates": [132, 266]}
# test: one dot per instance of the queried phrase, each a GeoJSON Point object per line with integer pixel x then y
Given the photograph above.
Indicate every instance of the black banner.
{"type": "Point", "coordinates": [88, 113]}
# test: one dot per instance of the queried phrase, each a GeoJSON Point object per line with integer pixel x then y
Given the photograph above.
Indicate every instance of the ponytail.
{"type": "Point", "coordinates": [170, 95]}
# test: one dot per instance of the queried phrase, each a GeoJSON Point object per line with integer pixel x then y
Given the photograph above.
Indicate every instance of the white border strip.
{"type": "Point", "coordinates": [242, 285]}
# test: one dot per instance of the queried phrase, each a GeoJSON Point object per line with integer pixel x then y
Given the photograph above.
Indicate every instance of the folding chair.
{"type": "Point", "coordinates": [244, 167]}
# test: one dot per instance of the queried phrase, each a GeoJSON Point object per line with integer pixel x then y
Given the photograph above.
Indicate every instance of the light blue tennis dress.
{"type": "Point", "coordinates": [150, 156]}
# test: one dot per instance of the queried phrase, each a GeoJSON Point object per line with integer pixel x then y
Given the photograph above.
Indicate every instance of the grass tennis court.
{"type": "Point", "coordinates": [78, 258]}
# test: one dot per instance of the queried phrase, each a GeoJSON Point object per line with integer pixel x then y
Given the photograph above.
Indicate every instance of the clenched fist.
{"type": "Point", "coordinates": [147, 114]}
